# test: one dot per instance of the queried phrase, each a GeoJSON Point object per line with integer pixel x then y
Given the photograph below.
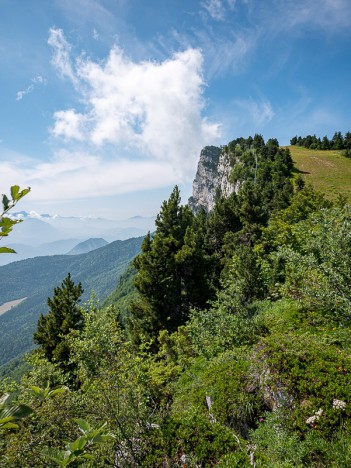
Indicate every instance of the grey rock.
{"type": "Point", "coordinates": [212, 179]}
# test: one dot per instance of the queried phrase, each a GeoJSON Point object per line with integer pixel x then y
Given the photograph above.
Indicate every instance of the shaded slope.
{"type": "Point", "coordinates": [36, 278]}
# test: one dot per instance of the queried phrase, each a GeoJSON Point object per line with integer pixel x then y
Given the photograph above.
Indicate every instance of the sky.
{"type": "Point", "coordinates": [106, 104]}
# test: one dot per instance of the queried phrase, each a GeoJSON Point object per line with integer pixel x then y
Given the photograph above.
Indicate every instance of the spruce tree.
{"type": "Point", "coordinates": [172, 272]}
{"type": "Point", "coordinates": [64, 315]}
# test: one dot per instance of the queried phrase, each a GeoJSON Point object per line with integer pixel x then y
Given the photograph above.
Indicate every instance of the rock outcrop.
{"type": "Point", "coordinates": [212, 179]}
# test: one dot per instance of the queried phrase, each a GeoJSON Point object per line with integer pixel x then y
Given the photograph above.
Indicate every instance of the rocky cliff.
{"type": "Point", "coordinates": [212, 178]}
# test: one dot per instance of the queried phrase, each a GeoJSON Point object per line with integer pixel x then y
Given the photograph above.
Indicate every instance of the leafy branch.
{"type": "Point", "coordinates": [6, 223]}
{"type": "Point", "coordinates": [77, 450]}
{"type": "Point", "coordinates": [10, 413]}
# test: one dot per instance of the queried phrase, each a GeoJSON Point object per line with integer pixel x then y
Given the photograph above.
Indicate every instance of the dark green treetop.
{"type": "Point", "coordinates": [64, 315]}
{"type": "Point", "coordinates": [172, 272]}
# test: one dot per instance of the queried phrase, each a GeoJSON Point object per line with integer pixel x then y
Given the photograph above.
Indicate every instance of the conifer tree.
{"type": "Point", "coordinates": [172, 270]}
{"type": "Point", "coordinates": [64, 315]}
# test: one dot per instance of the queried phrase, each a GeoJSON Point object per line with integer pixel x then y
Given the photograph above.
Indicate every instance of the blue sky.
{"type": "Point", "coordinates": [106, 104]}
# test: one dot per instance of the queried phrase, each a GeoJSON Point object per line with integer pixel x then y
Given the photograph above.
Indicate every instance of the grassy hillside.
{"type": "Point", "coordinates": [327, 171]}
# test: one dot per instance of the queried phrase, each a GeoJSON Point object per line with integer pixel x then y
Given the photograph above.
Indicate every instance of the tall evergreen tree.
{"type": "Point", "coordinates": [64, 315]}
{"type": "Point", "coordinates": [325, 143]}
{"type": "Point", "coordinates": [347, 141]}
{"type": "Point", "coordinates": [171, 275]}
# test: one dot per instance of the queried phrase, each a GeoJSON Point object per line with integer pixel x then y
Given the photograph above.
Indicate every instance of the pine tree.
{"type": "Point", "coordinates": [171, 275]}
{"type": "Point", "coordinates": [338, 141]}
{"type": "Point", "coordinates": [325, 143]}
{"type": "Point", "coordinates": [64, 315]}
{"type": "Point", "coordinates": [347, 141]}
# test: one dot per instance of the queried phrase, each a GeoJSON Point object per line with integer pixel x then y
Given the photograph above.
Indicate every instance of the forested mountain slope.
{"type": "Point", "coordinates": [36, 278]}
{"type": "Point", "coordinates": [87, 246]}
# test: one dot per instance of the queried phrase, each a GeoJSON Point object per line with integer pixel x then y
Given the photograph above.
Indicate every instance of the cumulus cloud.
{"type": "Point", "coordinates": [137, 126]}
{"type": "Point", "coordinates": [152, 108]}
{"type": "Point", "coordinates": [68, 124]}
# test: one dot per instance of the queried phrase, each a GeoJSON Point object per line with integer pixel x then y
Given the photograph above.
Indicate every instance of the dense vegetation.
{"type": "Point", "coordinates": [337, 142]}
{"type": "Point", "coordinates": [234, 350]}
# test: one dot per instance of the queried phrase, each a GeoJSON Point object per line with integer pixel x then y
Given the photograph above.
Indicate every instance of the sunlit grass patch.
{"type": "Point", "coordinates": [328, 171]}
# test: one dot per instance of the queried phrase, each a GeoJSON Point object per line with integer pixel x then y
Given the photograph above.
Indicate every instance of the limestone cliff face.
{"type": "Point", "coordinates": [212, 178]}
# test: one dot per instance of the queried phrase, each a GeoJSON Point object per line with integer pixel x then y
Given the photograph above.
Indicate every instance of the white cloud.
{"type": "Point", "coordinates": [230, 40]}
{"type": "Point", "coordinates": [226, 53]}
{"type": "Point", "coordinates": [74, 176]}
{"type": "Point", "coordinates": [61, 58]}
{"type": "Point", "coordinates": [258, 112]}
{"type": "Point", "coordinates": [140, 126]}
{"type": "Point", "coordinates": [21, 94]}
{"type": "Point", "coordinates": [332, 16]}
{"type": "Point", "coordinates": [215, 9]}
{"type": "Point", "coordinates": [152, 108]}
{"type": "Point", "coordinates": [39, 79]}
{"type": "Point", "coordinates": [36, 80]}
{"type": "Point", "coordinates": [68, 124]}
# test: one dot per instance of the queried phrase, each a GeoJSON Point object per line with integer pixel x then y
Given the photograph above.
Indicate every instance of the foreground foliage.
{"type": "Point", "coordinates": [6, 222]}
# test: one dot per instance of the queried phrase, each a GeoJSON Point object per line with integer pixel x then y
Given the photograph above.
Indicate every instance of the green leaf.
{"type": "Point", "coordinates": [5, 202]}
{"type": "Point", "coordinates": [99, 439]}
{"type": "Point", "coordinates": [7, 419]}
{"type": "Point", "coordinates": [37, 391]}
{"type": "Point", "coordinates": [88, 456]}
{"type": "Point", "coordinates": [79, 444]}
{"type": "Point", "coordinates": [58, 391]}
{"type": "Point", "coordinates": [14, 192]}
{"type": "Point", "coordinates": [55, 454]}
{"type": "Point", "coordinates": [23, 193]}
{"type": "Point", "coordinates": [8, 426]}
{"type": "Point", "coordinates": [83, 425]}
{"type": "Point", "coordinates": [6, 250]}
{"type": "Point", "coordinates": [17, 412]}
{"type": "Point", "coordinates": [4, 398]}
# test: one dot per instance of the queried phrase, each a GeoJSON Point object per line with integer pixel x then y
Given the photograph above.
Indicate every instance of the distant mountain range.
{"type": "Point", "coordinates": [45, 234]}
{"type": "Point", "coordinates": [87, 246]}
{"type": "Point", "coordinates": [36, 278]}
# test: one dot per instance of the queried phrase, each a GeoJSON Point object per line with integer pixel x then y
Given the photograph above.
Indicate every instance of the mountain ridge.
{"type": "Point", "coordinates": [87, 246]}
